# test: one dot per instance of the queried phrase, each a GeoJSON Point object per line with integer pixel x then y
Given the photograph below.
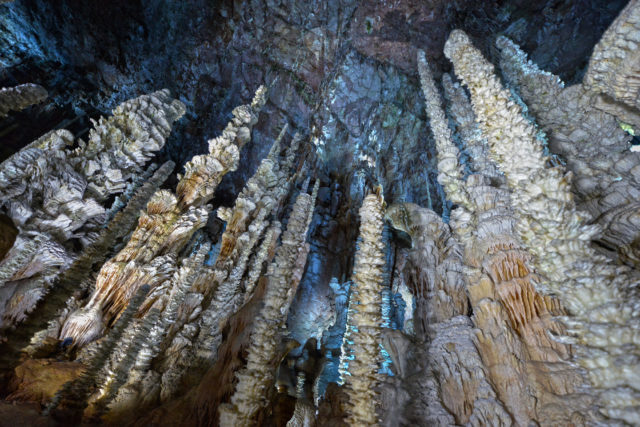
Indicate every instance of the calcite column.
{"type": "Point", "coordinates": [602, 313]}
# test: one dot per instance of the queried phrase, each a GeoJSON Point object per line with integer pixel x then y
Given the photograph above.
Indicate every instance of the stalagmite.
{"type": "Point", "coordinates": [56, 193]}
{"type": "Point", "coordinates": [510, 315]}
{"type": "Point", "coordinates": [71, 183]}
{"type": "Point", "coordinates": [365, 316]}
{"type": "Point", "coordinates": [220, 293]}
{"type": "Point", "coordinates": [614, 67]}
{"type": "Point", "coordinates": [134, 391]}
{"type": "Point", "coordinates": [163, 230]}
{"type": "Point", "coordinates": [602, 314]}
{"type": "Point", "coordinates": [20, 97]}
{"type": "Point", "coordinates": [595, 148]}
{"type": "Point", "coordinates": [441, 369]}
{"type": "Point", "coordinates": [203, 173]}
{"type": "Point", "coordinates": [119, 146]}
{"type": "Point", "coordinates": [257, 378]}
{"type": "Point", "coordinates": [43, 322]}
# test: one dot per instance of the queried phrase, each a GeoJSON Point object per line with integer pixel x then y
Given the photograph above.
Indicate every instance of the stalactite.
{"type": "Point", "coordinates": [256, 379]}
{"type": "Point", "coordinates": [20, 97]}
{"type": "Point", "coordinates": [614, 69]}
{"type": "Point", "coordinates": [365, 314]}
{"type": "Point", "coordinates": [594, 291]}
{"type": "Point", "coordinates": [163, 230]}
{"type": "Point", "coordinates": [594, 146]}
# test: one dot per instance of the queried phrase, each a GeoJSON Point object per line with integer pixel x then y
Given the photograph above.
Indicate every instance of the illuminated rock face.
{"type": "Point", "coordinates": [253, 282]}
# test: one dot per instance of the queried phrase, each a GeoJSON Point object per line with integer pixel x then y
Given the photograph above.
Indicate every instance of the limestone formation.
{"type": "Point", "coordinates": [506, 294]}
{"type": "Point", "coordinates": [614, 66]}
{"type": "Point", "coordinates": [595, 292]}
{"type": "Point", "coordinates": [203, 173]}
{"type": "Point", "coordinates": [365, 316]}
{"type": "Point", "coordinates": [441, 369]}
{"type": "Point", "coordinates": [593, 145]}
{"type": "Point", "coordinates": [20, 97]}
{"type": "Point", "coordinates": [222, 289]}
{"type": "Point", "coordinates": [284, 274]}
{"type": "Point", "coordinates": [163, 230]}
{"type": "Point", "coordinates": [56, 194]}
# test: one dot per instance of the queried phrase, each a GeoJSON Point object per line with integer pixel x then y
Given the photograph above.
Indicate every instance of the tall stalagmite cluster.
{"type": "Point", "coordinates": [595, 291]}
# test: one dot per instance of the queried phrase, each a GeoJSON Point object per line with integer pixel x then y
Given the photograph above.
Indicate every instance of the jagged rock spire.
{"type": "Point", "coordinates": [284, 274]}
{"type": "Point", "coordinates": [603, 316]}
{"type": "Point", "coordinates": [592, 143]}
{"type": "Point", "coordinates": [365, 316]}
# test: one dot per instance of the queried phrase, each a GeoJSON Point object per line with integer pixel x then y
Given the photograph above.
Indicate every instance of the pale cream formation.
{"type": "Point", "coordinates": [603, 316]}
{"type": "Point", "coordinates": [56, 192]}
{"type": "Point", "coordinates": [149, 258]}
{"type": "Point", "coordinates": [203, 173]}
{"type": "Point", "coordinates": [365, 317]}
{"type": "Point", "coordinates": [19, 97]}
{"type": "Point", "coordinates": [440, 368]}
{"type": "Point", "coordinates": [284, 274]}
{"type": "Point", "coordinates": [219, 293]}
{"type": "Point", "coordinates": [449, 170]}
{"type": "Point", "coordinates": [593, 145]}
{"type": "Point", "coordinates": [614, 67]}
{"type": "Point", "coordinates": [78, 276]}
{"type": "Point", "coordinates": [512, 318]}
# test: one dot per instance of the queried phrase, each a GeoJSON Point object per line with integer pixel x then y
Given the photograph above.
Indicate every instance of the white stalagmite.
{"type": "Point", "coordinates": [222, 290]}
{"type": "Point", "coordinates": [163, 230]}
{"type": "Point", "coordinates": [284, 274]}
{"type": "Point", "coordinates": [592, 143]}
{"type": "Point", "coordinates": [365, 316]}
{"type": "Point", "coordinates": [20, 97]}
{"type": "Point", "coordinates": [614, 66]}
{"type": "Point", "coordinates": [528, 369]}
{"type": "Point", "coordinates": [603, 319]}
{"type": "Point", "coordinates": [449, 170]}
